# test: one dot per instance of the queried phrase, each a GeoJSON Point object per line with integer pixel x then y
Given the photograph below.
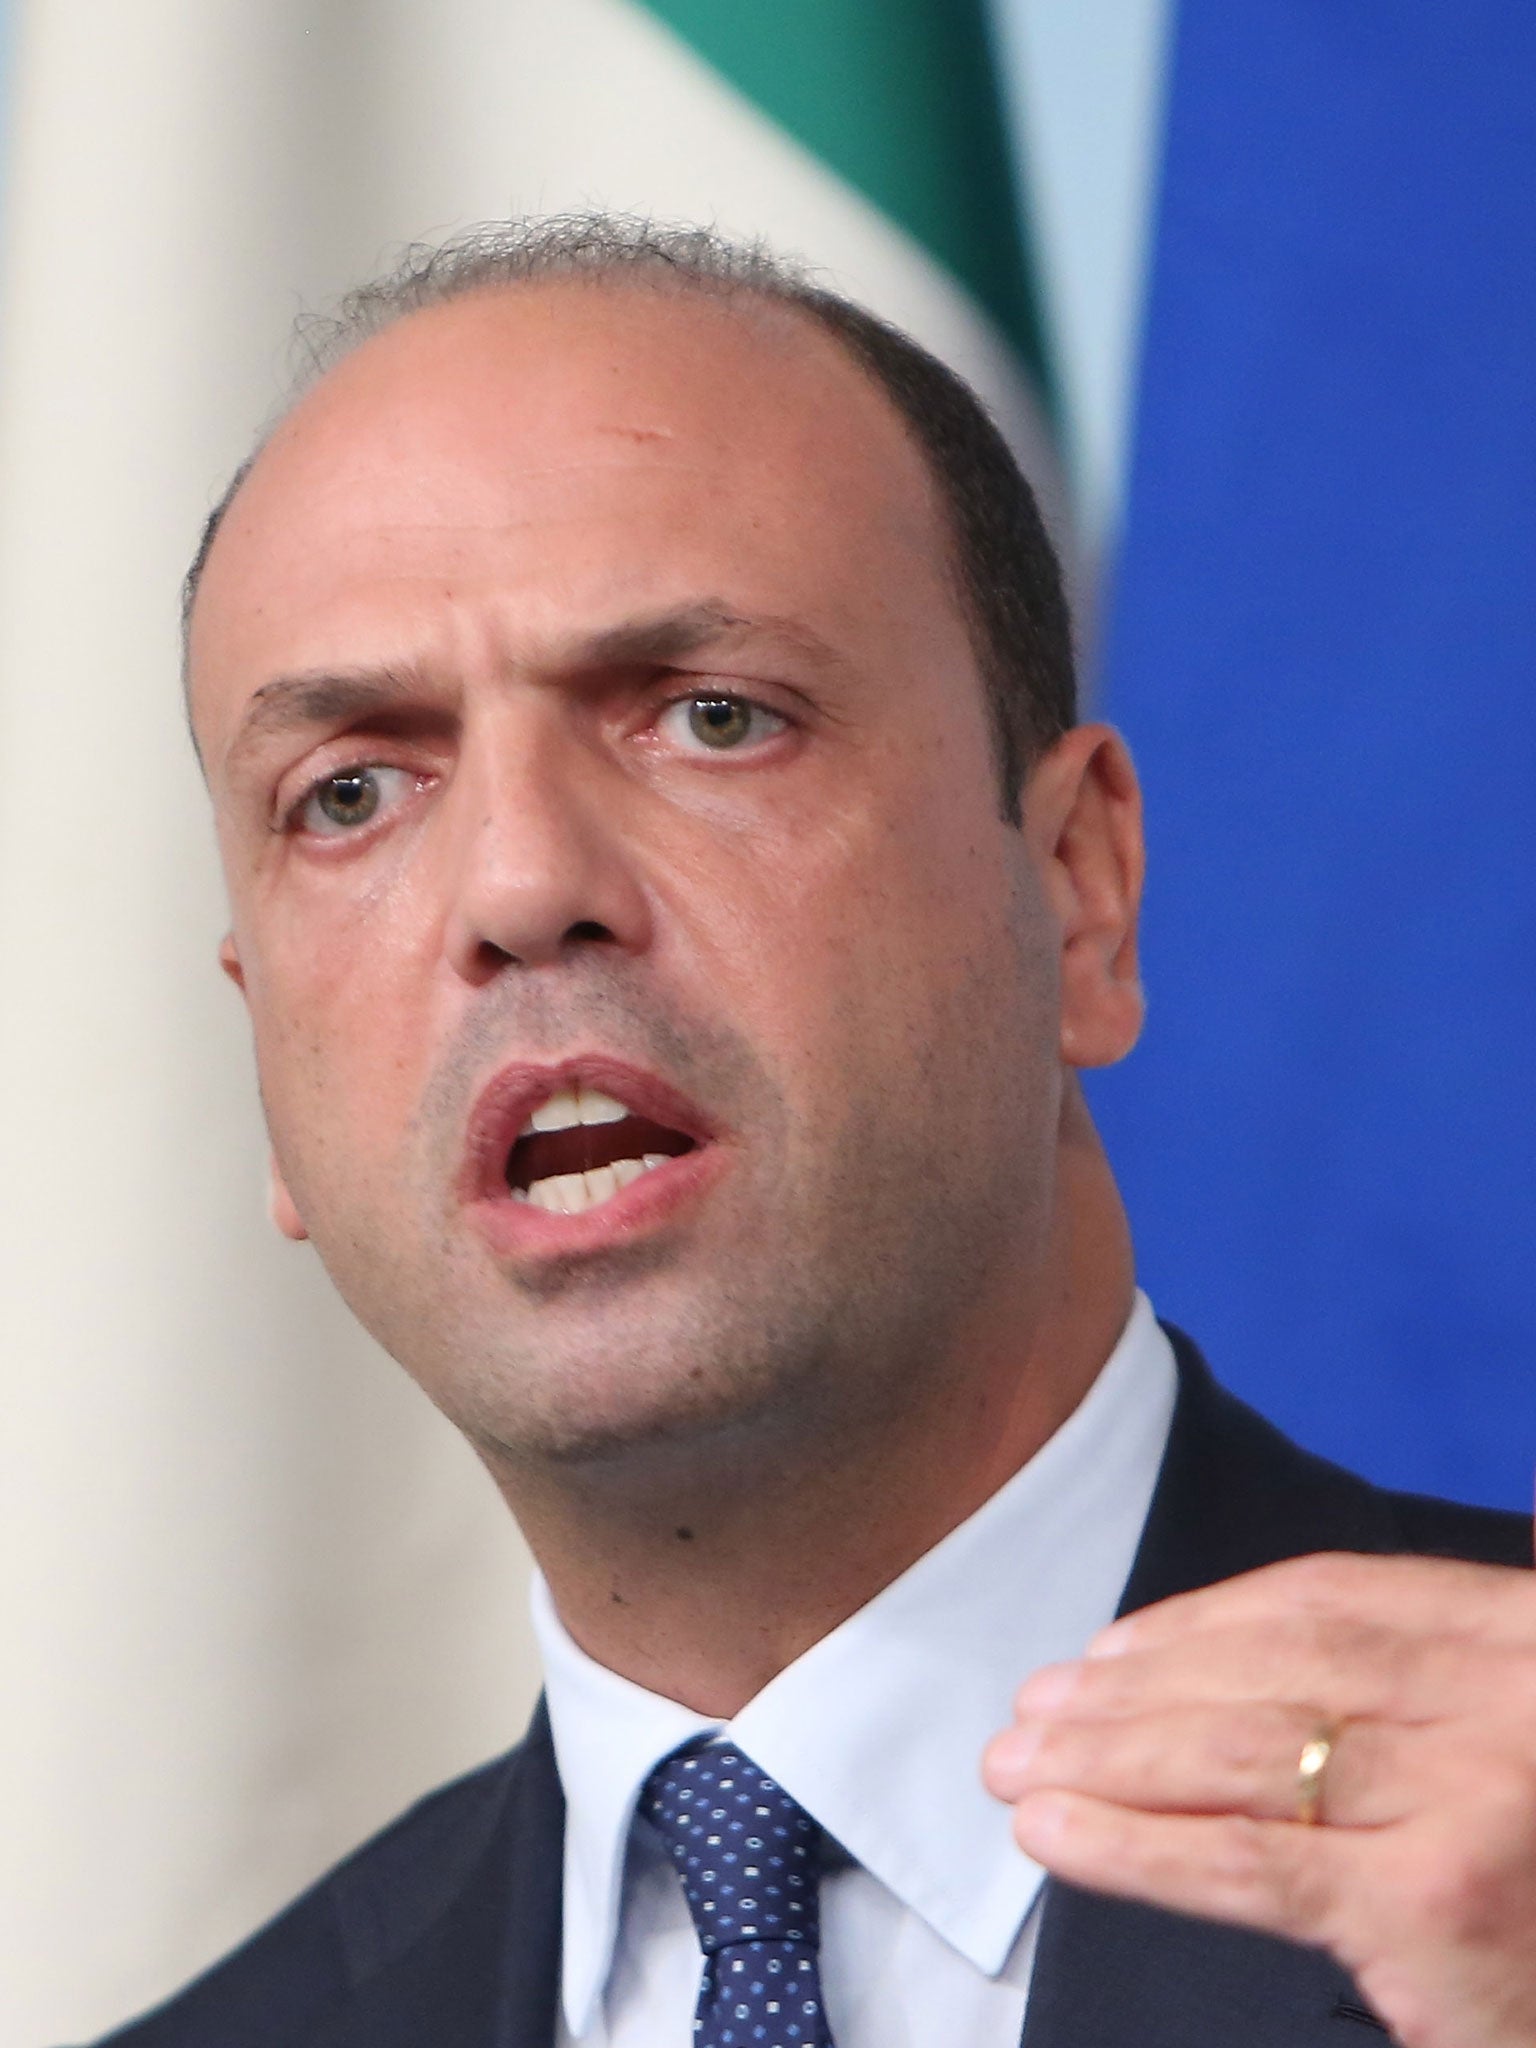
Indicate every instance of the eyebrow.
{"type": "Point", "coordinates": [349, 696]}
{"type": "Point", "coordinates": [317, 699]}
{"type": "Point", "coordinates": [669, 636]}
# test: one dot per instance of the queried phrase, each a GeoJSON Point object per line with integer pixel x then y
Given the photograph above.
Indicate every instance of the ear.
{"type": "Point", "coordinates": [281, 1206]}
{"type": "Point", "coordinates": [1082, 820]}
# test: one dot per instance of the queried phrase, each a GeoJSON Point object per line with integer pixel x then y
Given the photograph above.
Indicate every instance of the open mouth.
{"type": "Point", "coordinates": [581, 1147]}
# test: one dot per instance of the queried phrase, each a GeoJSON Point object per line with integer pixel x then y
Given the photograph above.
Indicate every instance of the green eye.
{"type": "Point", "coordinates": [350, 798]}
{"type": "Point", "coordinates": [720, 721]}
{"type": "Point", "coordinates": [343, 803]}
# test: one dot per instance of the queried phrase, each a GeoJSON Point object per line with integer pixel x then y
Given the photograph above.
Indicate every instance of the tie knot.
{"type": "Point", "coordinates": [748, 1854]}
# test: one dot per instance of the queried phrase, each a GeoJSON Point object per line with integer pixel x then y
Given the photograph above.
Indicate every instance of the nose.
{"type": "Point", "coordinates": [543, 861]}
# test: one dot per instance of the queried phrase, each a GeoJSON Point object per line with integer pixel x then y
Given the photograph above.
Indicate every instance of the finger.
{"type": "Point", "coordinates": [1244, 1759]}
{"type": "Point", "coordinates": [1338, 1669]}
{"type": "Point", "coordinates": [1438, 1596]}
{"type": "Point", "coordinates": [1281, 1879]}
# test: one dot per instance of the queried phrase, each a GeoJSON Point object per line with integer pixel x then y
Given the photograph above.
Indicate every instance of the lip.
{"type": "Point", "coordinates": [503, 1108]}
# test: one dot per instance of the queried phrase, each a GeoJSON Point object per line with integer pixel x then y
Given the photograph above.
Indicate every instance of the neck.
{"type": "Point", "coordinates": [704, 1588]}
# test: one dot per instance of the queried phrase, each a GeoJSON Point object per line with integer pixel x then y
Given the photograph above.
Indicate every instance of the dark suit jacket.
{"type": "Point", "coordinates": [444, 1931]}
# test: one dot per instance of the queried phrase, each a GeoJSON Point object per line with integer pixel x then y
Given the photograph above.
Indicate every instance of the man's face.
{"type": "Point", "coordinates": [592, 727]}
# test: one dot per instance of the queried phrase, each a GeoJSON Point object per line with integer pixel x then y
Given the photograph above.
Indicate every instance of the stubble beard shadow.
{"type": "Point", "coordinates": [835, 1329]}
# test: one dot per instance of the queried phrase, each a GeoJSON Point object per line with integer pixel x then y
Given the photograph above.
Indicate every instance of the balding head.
{"type": "Point", "coordinates": [1005, 574]}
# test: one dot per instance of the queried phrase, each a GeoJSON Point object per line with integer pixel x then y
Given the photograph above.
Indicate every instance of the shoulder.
{"type": "Point", "coordinates": [1235, 1493]}
{"type": "Point", "coordinates": [286, 1981]}
{"type": "Point", "coordinates": [1448, 1528]}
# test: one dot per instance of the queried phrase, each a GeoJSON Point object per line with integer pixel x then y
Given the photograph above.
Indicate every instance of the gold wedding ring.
{"type": "Point", "coordinates": [1312, 1768]}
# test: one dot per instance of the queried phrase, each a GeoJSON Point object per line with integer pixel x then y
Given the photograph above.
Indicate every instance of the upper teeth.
{"type": "Point", "coordinates": [574, 1106]}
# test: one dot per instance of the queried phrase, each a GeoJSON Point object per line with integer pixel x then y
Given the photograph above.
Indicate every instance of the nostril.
{"type": "Point", "coordinates": [491, 958]}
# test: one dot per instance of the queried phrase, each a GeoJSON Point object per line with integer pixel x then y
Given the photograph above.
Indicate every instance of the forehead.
{"type": "Point", "coordinates": [569, 446]}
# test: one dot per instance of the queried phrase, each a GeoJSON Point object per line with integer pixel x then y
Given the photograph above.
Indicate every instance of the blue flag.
{"type": "Point", "coordinates": [1322, 649]}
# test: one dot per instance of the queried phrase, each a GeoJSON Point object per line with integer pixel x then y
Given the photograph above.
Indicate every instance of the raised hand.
{"type": "Point", "coordinates": [1340, 1750]}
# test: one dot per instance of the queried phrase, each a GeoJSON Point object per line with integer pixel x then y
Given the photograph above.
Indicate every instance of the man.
{"type": "Point", "coordinates": [674, 899]}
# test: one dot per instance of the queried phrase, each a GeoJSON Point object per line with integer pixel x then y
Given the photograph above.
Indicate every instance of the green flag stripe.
{"type": "Point", "coordinates": [900, 97]}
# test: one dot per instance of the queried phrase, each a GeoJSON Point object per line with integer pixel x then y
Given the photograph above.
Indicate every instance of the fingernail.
{"type": "Point", "coordinates": [1039, 1825]}
{"type": "Point", "coordinates": [1048, 1687]}
{"type": "Point", "coordinates": [1111, 1642]}
{"type": "Point", "coordinates": [1005, 1763]}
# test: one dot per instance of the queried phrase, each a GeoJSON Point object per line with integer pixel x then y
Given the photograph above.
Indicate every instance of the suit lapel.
{"type": "Point", "coordinates": [485, 1972]}
{"type": "Point", "coordinates": [1112, 1974]}
{"type": "Point", "coordinates": [1233, 1494]}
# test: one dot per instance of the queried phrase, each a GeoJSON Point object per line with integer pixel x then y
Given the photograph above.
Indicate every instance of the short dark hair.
{"type": "Point", "coordinates": [1007, 574]}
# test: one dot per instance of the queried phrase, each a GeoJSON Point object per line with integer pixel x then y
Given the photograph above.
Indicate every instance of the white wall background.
{"type": "Point", "coordinates": [253, 1595]}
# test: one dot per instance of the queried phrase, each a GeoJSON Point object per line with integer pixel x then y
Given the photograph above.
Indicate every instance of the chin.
{"type": "Point", "coordinates": [626, 1415]}
{"type": "Point", "coordinates": [624, 1435]}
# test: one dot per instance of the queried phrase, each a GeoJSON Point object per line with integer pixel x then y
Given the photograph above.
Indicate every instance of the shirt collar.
{"type": "Point", "coordinates": [878, 1729]}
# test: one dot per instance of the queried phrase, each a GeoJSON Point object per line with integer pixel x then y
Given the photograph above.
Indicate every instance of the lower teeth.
{"type": "Point", "coordinates": [569, 1194]}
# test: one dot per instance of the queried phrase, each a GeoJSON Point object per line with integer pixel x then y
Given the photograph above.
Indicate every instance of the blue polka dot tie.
{"type": "Point", "coordinates": [749, 1859]}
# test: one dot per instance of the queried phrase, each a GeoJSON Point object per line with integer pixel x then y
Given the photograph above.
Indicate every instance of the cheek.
{"type": "Point", "coordinates": [335, 1006]}
{"type": "Point", "coordinates": [877, 941]}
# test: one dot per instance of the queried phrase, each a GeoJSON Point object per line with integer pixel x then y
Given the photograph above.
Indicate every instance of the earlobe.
{"type": "Point", "coordinates": [229, 960]}
{"type": "Point", "coordinates": [281, 1206]}
{"type": "Point", "coordinates": [1084, 804]}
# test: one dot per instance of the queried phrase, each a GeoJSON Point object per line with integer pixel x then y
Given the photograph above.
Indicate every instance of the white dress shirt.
{"type": "Point", "coordinates": [927, 1908]}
